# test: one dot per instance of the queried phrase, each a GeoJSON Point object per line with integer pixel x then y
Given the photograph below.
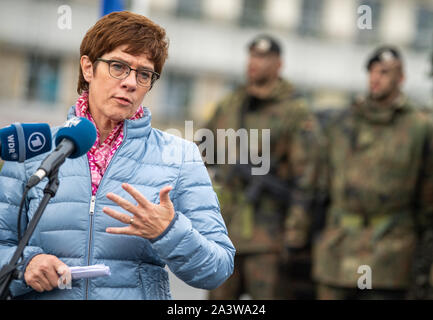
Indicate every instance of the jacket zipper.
{"type": "Point", "coordinates": [93, 204]}
{"type": "Point", "coordinates": [91, 213]}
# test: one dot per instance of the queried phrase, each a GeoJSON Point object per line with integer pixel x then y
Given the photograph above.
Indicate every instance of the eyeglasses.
{"type": "Point", "coordinates": [120, 70]}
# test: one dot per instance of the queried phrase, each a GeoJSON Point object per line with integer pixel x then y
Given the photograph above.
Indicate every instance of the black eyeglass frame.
{"type": "Point", "coordinates": [155, 75]}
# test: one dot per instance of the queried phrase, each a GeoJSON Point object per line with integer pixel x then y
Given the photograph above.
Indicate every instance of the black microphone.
{"type": "Point", "coordinates": [73, 140]}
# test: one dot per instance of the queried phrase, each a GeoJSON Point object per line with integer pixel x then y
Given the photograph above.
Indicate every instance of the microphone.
{"type": "Point", "coordinates": [73, 140]}
{"type": "Point", "coordinates": [22, 141]}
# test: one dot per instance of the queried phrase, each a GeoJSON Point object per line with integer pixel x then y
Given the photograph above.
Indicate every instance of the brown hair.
{"type": "Point", "coordinates": [139, 33]}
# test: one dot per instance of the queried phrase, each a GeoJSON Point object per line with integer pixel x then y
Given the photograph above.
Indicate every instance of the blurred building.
{"type": "Point", "coordinates": [324, 50]}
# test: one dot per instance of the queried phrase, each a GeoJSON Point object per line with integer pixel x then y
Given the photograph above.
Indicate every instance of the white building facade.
{"type": "Point", "coordinates": [324, 50]}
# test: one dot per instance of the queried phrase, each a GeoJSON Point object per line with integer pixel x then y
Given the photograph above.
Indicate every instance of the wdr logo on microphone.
{"type": "Point", "coordinates": [36, 142]}
{"type": "Point", "coordinates": [11, 147]}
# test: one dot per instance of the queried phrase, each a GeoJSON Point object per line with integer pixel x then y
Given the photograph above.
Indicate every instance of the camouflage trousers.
{"type": "Point", "coordinates": [326, 292]}
{"type": "Point", "coordinates": [257, 275]}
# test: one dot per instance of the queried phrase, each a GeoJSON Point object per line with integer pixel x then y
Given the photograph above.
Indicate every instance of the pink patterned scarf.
{"type": "Point", "coordinates": [101, 153]}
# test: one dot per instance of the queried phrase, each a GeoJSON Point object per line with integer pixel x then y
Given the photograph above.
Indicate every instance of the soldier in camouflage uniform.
{"type": "Point", "coordinates": [255, 207]}
{"type": "Point", "coordinates": [378, 171]}
{"type": "Point", "coordinates": [430, 290]}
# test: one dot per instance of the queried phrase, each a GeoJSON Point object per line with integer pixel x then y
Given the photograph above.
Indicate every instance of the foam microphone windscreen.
{"type": "Point", "coordinates": [81, 132]}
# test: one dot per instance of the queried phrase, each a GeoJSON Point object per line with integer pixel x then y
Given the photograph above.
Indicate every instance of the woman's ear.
{"type": "Point", "coordinates": [86, 68]}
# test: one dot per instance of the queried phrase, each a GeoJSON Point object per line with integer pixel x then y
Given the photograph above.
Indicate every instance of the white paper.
{"type": "Point", "coordinates": [97, 270]}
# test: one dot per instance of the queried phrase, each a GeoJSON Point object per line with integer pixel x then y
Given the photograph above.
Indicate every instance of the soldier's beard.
{"type": "Point", "coordinates": [379, 97]}
{"type": "Point", "coordinates": [261, 88]}
{"type": "Point", "coordinates": [384, 96]}
{"type": "Point", "coordinates": [262, 82]}
{"type": "Point", "coordinates": [387, 94]}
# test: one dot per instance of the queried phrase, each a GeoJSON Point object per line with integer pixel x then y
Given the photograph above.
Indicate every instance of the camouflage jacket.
{"type": "Point", "coordinates": [377, 166]}
{"type": "Point", "coordinates": [257, 225]}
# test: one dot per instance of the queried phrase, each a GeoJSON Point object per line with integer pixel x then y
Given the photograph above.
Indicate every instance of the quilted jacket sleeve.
{"type": "Point", "coordinates": [12, 179]}
{"type": "Point", "coordinates": [196, 246]}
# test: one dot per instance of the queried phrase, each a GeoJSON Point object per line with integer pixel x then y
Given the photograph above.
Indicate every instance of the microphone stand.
{"type": "Point", "coordinates": [10, 271]}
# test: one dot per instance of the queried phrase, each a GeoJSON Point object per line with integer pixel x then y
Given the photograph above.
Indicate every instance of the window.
{"type": "Point", "coordinates": [252, 13]}
{"type": "Point", "coordinates": [371, 35]}
{"type": "Point", "coordinates": [311, 18]}
{"type": "Point", "coordinates": [189, 9]}
{"type": "Point", "coordinates": [424, 28]}
{"type": "Point", "coordinates": [43, 78]}
{"type": "Point", "coordinates": [178, 93]}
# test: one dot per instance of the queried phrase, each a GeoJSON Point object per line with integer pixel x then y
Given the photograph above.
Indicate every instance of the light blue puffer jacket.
{"type": "Point", "coordinates": [195, 246]}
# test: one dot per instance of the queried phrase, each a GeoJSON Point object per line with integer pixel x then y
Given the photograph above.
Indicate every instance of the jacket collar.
{"type": "Point", "coordinates": [132, 128]}
{"type": "Point", "coordinates": [376, 113]}
{"type": "Point", "coordinates": [282, 90]}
